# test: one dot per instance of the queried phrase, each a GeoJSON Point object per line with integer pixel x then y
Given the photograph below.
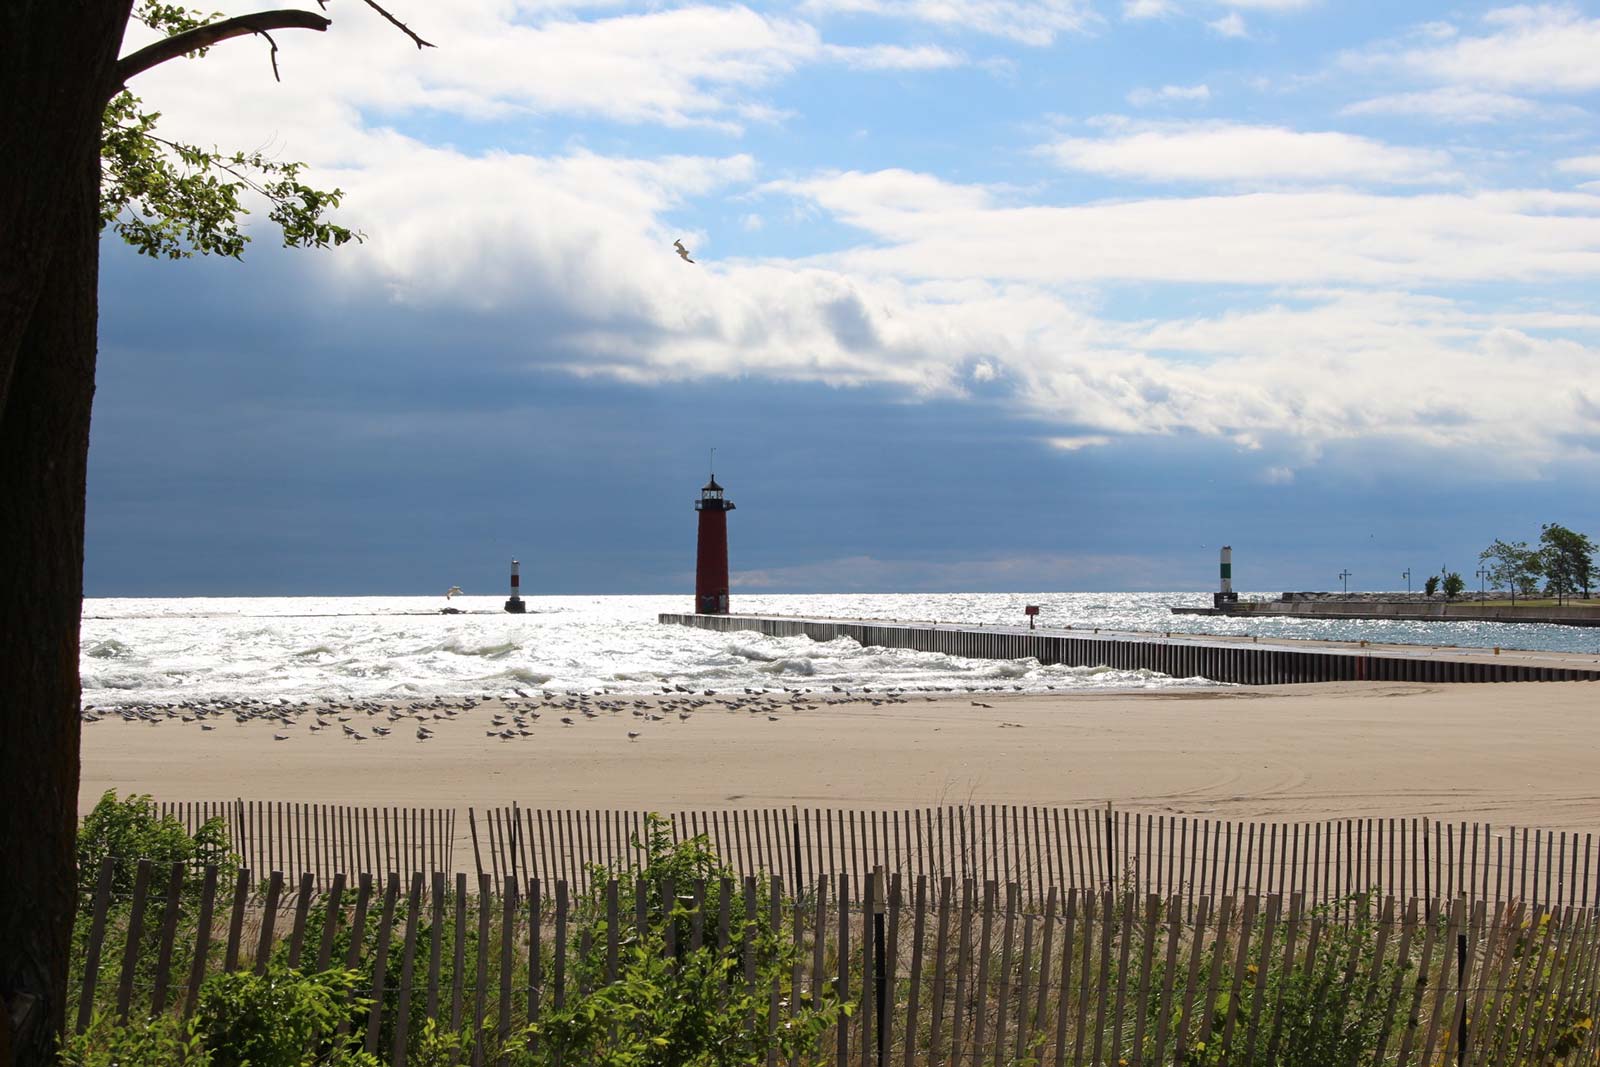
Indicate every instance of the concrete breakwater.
{"type": "Point", "coordinates": [1404, 609]}
{"type": "Point", "coordinates": [1244, 662]}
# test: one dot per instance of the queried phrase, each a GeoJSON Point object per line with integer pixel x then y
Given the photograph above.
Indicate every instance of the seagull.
{"type": "Point", "coordinates": [280, 737]}
{"type": "Point", "coordinates": [633, 735]}
{"type": "Point", "coordinates": [683, 253]}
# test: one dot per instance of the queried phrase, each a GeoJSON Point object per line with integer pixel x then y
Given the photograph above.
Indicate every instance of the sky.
{"type": "Point", "coordinates": [988, 295]}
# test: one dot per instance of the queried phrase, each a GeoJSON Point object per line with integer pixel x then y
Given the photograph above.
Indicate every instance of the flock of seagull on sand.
{"type": "Point", "coordinates": [511, 717]}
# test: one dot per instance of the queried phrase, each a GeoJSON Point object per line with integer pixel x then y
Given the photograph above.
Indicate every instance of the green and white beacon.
{"type": "Point", "coordinates": [1226, 596]}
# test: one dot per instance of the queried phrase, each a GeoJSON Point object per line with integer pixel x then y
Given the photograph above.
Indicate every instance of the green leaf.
{"type": "Point", "coordinates": [171, 200]}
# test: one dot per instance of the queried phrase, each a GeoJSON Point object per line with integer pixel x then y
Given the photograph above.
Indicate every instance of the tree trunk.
{"type": "Point", "coordinates": [58, 57]}
{"type": "Point", "coordinates": [44, 437]}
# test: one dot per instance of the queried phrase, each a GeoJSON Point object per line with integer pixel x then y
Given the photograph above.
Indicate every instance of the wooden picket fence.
{"type": "Point", "coordinates": [939, 970]}
{"type": "Point", "coordinates": [1077, 848]}
{"type": "Point", "coordinates": [323, 839]}
{"type": "Point", "coordinates": [1035, 847]}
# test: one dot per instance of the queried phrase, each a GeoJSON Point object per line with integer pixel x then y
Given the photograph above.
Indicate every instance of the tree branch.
{"type": "Point", "coordinates": [403, 28]}
{"type": "Point", "coordinates": [273, 55]}
{"type": "Point", "coordinates": [181, 44]}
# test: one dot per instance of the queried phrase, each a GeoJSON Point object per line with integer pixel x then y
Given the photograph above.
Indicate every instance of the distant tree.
{"type": "Point", "coordinates": [1513, 566]}
{"type": "Point", "coordinates": [1453, 585]}
{"type": "Point", "coordinates": [1431, 586]}
{"type": "Point", "coordinates": [1567, 558]}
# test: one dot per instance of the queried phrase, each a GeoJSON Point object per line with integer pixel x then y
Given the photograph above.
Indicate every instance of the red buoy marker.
{"type": "Point", "coordinates": [515, 605]}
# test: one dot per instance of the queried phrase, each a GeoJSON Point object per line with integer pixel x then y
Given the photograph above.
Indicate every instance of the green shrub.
{"type": "Point", "coordinates": [667, 1004]}
{"type": "Point", "coordinates": [131, 829]}
{"type": "Point", "coordinates": [165, 1041]}
{"type": "Point", "coordinates": [282, 1018]}
{"type": "Point", "coordinates": [276, 1019]}
{"type": "Point", "coordinates": [677, 1006]}
{"type": "Point", "coordinates": [366, 967]}
{"type": "Point", "coordinates": [126, 831]}
{"type": "Point", "coordinates": [1334, 1012]}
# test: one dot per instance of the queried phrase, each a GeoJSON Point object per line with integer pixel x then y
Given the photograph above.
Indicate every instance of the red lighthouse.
{"type": "Point", "coordinates": [711, 561]}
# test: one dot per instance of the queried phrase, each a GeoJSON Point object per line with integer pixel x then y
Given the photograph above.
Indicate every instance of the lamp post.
{"type": "Point", "coordinates": [1344, 580]}
{"type": "Point", "coordinates": [1483, 573]}
{"type": "Point", "coordinates": [1407, 577]}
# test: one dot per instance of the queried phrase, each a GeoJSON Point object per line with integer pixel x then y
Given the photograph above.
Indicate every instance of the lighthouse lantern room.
{"type": "Point", "coordinates": [711, 561]}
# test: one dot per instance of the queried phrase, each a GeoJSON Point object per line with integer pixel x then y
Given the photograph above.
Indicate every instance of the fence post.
{"type": "Point", "coordinates": [477, 857]}
{"type": "Point", "coordinates": [97, 930]}
{"type": "Point", "coordinates": [1461, 996]}
{"type": "Point", "coordinates": [879, 972]}
{"type": "Point", "coordinates": [1111, 848]}
{"type": "Point", "coordinates": [794, 847]}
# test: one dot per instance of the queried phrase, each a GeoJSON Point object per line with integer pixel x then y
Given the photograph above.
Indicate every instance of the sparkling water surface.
{"type": "Point", "coordinates": [207, 648]}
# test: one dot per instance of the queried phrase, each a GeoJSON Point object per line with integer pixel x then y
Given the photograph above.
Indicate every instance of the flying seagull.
{"type": "Point", "coordinates": [683, 253]}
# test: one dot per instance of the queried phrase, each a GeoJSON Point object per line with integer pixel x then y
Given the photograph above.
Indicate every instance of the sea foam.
{"type": "Point", "coordinates": [170, 649]}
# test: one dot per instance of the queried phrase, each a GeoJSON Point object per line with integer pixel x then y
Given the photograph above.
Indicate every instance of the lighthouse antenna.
{"type": "Point", "coordinates": [713, 464]}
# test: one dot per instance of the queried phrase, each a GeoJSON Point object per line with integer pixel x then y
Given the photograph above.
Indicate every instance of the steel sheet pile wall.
{"type": "Point", "coordinates": [1218, 661]}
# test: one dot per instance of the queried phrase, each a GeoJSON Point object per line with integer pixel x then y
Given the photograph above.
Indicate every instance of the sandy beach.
{"type": "Point", "coordinates": [1509, 754]}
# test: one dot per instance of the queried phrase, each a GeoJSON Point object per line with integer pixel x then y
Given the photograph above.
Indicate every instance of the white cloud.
{"type": "Point", "coordinates": [1148, 9]}
{"type": "Point", "coordinates": [1276, 6]}
{"type": "Point", "coordinates": [1453, 103]}
{"type": "Point", "coordinates": [890, 192]}
{"type": "Point", "coordinates": [1079, 442]}
{"type": "Point", "coordinates": [695, 65]}
{"type": "Point", "coordinates": [1033, 22]}
{"type": "Point", "coordinates": [1278, 476]}
{"type": "Point", "coordinates": [923, 228]}
{"type": "Point", "coordinates": [567, 261]}
{"type": "Point", "coordinates": [964, 291]}
{"type": "Point", "coordinates": [1230, 25]}
{"type": "Point", "coordinates": [1227, 152]}
{"type": "Point", "coordinates": [1168, 94]}
{"type": "Point", "coordinates": [1581, 165]}
{"type": "Point", "coordinates": [1546, 48]}
{"type": "Point", "coordinates": [894, 57]}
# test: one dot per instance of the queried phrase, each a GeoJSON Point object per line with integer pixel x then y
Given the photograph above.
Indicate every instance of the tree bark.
{"type": "Point", "coordinates": [59, 55]}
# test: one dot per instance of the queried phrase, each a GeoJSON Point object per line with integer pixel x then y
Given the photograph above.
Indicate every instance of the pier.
{"type": "Point", "coordinates": [1295, 606]}
{"type": "Point", "coordinates": [1239, 660]}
